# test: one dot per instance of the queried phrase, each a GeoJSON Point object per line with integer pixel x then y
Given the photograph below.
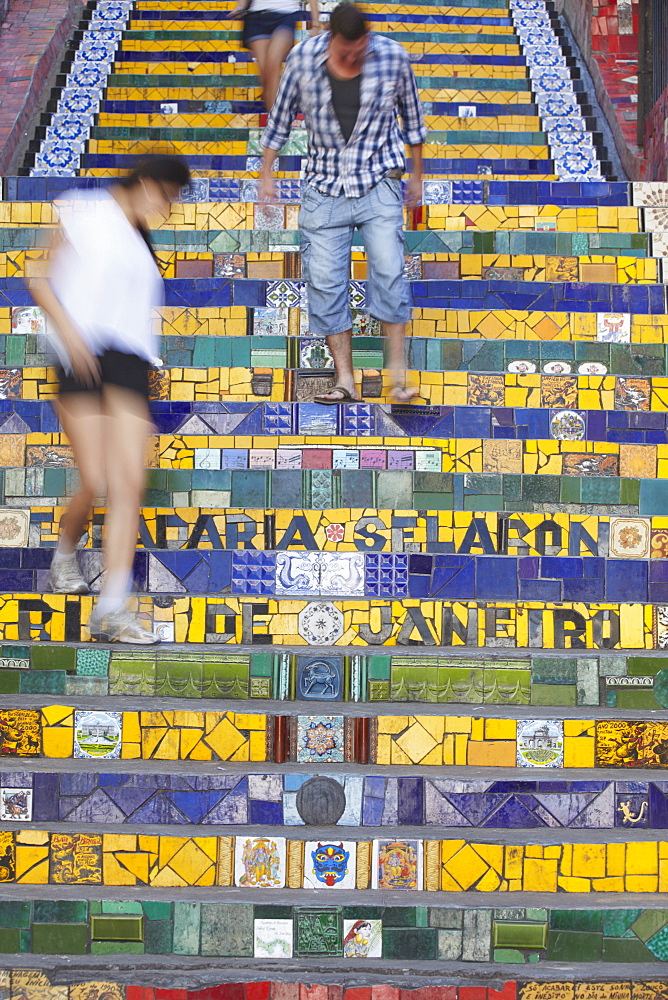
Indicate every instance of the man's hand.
{"type": "Point", "coordinates": [267, 188]}
{"type": "Point", "coordinates": [413, 196]}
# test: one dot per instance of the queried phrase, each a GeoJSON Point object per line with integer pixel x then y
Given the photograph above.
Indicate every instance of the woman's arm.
{"type": "Point", "coordinates": [315, 17]}
{"type": "Point", "coordinates": [84, 364]}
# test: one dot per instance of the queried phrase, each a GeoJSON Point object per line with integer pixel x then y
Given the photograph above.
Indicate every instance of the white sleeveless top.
{"type": "Point", "coordinates": [274, 6]}
{"type": "Point", "coordinates": [105, 278]}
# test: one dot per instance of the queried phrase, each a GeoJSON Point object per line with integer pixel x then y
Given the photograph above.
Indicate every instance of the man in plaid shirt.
{"type": "Point", "coordinates": [350, 84]}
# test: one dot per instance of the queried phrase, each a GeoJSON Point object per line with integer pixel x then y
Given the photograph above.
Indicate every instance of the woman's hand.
{"type": "Point", "coordinates": [234, 15]}
{"type": "Point", "coordinates": [315, 28]}
{"type": "Point", "coordinates": [85, 366]}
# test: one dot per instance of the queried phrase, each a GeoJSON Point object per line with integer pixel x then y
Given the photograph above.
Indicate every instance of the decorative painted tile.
{"type": "Point", "coordinates": [568, 425]}
{"type": "Point", "coordinates": [319, 678]}
{"type": "Point", "coordinates": [14, 527]}
{"type": "Point", "coordinates": [362, 938]}
{"type": "Point", "coordinates": [268, 217]}
{"type": "Point", "coordinates": [397, 864]}
{"type": "Point", "coordinates": [259, 862]}
{"type": "Point", "coordinates": [320, 738]}
{"type": "Point", "coordinates": [286, 293]}
{"type": "Point", "coordinates": [98, 734]}
{"type": "Point", "coordinates": [76, 859]}
{"type": "Point", "coordinates": [557, 368]}
{"type": "Point", "coordinates": [28, 320]}
{"type": "Point", "coordinates": [330, 864]}
{"type": "Point", "coordinates": [629, 537]}
{"type": "Point", "coordinates": [540, 743]}
{"type": "Point", "coordinates": [270, 322]}
{"type": "Point", "coordinates": [315, 354]}
{"type": "Point", "coordinates": [342, 574]}
{"type": "Point", "coordinates": [318, 932]}
{"type": "Point", "coordinates": [613, 328]}
{"type": "Point", "coordinates": [229, 265]}
{"type": "Point", "coordinates": [272, 938]}
{"type": "Point", "coordinates": [320, 624]}
{"type": "Point", "coordinates": [16, 805]}
{"type": "Point", "coordinates": [632, 394]}
{"type": "Point", "coordinates": [298, 573]}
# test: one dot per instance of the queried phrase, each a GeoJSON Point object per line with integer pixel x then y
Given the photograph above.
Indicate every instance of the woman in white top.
{"type": "Point", "coordinates": [100, 299]}
{"type": "Point", "coordinates": [269, 32]}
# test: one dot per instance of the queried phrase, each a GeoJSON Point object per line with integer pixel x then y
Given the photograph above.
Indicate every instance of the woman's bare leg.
{"type": "Point", "coordinates": [80, 417]}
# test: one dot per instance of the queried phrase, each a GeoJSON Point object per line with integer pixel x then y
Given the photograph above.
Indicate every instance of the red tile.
{"type": "Point", "coordinates": [312, 992]}
{"type": "Point", "coordinates": [509, 992]}
{"type": "Point", "coordinates": [358, 993]}
{"type": "Point", "coordinates": [258, 991]}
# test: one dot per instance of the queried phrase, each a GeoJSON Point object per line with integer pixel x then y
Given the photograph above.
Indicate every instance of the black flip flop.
{"type": "Point", "coordinates": [346, 397]}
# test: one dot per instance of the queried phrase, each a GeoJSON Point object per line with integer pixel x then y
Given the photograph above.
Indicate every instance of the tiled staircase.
{"type": "Point", "coordinates": [501, 548]}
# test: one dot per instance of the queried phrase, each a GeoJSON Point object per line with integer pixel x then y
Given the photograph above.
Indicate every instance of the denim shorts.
{"type": "Point", "coordinates": [327, 225]}
{"type": "Point", "coordinates": [263, 24]}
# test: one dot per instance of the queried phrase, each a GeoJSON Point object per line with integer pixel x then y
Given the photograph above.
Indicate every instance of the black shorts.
{"type": "Point", "coordinates": [263, 24]}
{"type": "Point", "coordinates": [125, 370]}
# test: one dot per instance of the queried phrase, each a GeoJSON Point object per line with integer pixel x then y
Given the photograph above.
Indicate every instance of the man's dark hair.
{"type": "Point", "coordinates": [348, 21]}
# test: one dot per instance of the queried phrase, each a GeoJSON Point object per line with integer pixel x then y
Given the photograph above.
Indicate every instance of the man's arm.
{"type": "Point", "coordinates": [315, 17]}
{"type": "Point", "coordinates": [414, 128]}
{"type": "Point", "coordinates": [281, 117]}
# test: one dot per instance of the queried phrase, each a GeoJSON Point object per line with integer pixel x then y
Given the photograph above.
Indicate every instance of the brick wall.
{"type": "Point", "coordinates": [31, 40]}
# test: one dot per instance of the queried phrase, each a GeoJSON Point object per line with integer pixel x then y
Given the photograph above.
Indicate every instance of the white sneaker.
{"type": "Point", "coordinates": [65, 577]}
{"type": "Point", "coordinates": [120, 626]}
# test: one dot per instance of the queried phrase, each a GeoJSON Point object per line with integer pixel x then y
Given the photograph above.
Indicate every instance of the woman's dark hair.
{"type": "Point", "coordinates": [348, 21]}
{"type": "Point", "coordinates": [162, 169]}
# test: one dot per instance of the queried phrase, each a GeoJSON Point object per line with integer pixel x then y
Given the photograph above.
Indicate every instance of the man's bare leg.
{"type": "Point", "coordinates": [341, 346]}
{"type": "Point", "coordinates": [396, 359]}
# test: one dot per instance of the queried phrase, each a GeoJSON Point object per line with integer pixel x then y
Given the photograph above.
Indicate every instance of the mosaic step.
{"type": "Point", "coordinates": [350, 575]}
{"type": "Point", "coordinates": [496, 405]}
{"type": "Point", "coordinates": [361, 530]}
{"type": "Point", "coordinates": [609, 680]}
{"type": "Point", "coordinates": [479, 227]}
{"type": "Point", "coordinates": [578, 201]}
{"type": "Point", "coordinates": [266, 931]}
{"type": "Point", "coordinates": [35, 985]}
{"type": "Point", "coordinates": [355, 622]}
{"type": "Point", "coordinates": [205, 349]}
{"type": "Point", "coordinates": [537, 408]}
{"type": "Point", "coordinates": [275, 800]}
{"type": "Point", "coordinates": [320, 489]}
{"type": "Point", "coordinates": [37, 857]}
{"type": "Point", "coordinates": [429, 740]}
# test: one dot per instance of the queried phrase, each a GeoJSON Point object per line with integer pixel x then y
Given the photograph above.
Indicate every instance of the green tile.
{"type": "Point", "coordinates": [261, 663]}
{"type": "Point", "coordinates": [14, 914]}
{"type": "Point", "coordinates": [157, 911]}
{"type": "Point", "coordinates": [116, 928]}
{"type": "Point", "coordinates": [399, 916]}
{"type": "Point", "coordinates": [419, 944]}
{"type": "Point", "coordinates": [52, 682]}
{"type": "Point", "coordinates": [186, 928]}
{"type": "Point", "coordinates": [574, 946]}
{"type": "Point", "coordinates": [576, 920]}
{"type": "Point", "coordinates": [553, 670]}
{"type": "Point", "coordinates": [626, 950]}
{"type": "Point", "coordinates": [508, 956]}
{"type": "Point", "coordinates": [520, 935]}
{"type": "Point", "coordinates": [379, 668]}
{"type": "Point", "coordinates": [10, 940]}
{"type": "Point", "coordinates": [158, 937]}
{"type": "Point", "coordinates": [362, 912]}
{"type": "Point", "coordinates": [265, 911]}
{"type": "Point", "coordinates": [507, 687]}
{"type": "Point", "coordinates": [179, 677]}
{"type": "Point", "coordinates": [132, 677]}
{"type": "Point", "coordinates": [227, 930]}
{"type": "Point", "coordinates": [649, 923]}
{"type": "Point", "coordinates": [124, 907]}
{"type": "Point", "coordinates": [60, 911]}
{"type": "Point", "coordinates": [553, 694]}
{"type": "Point", "coordinates": [10, 681]}
{"type": "Point", "coordinates": [617, 922]}
{"type": "Point", "coordinates": [116, 947]}
{"type": "Point", "coordinates": [52, 656]}
{"type": "Point", "coordinates": [378, 691]}
{"type": "Point", "coordinates": [59, 939]}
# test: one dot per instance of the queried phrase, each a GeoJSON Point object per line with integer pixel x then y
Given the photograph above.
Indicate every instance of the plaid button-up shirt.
{"type": "Point", "coordinates": [376, 145]}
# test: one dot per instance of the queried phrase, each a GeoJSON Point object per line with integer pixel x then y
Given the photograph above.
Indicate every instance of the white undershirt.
{"type": "Point", "coordinates": [105, 278]}
{"type": "Point", "coordinates": [274, 6]}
